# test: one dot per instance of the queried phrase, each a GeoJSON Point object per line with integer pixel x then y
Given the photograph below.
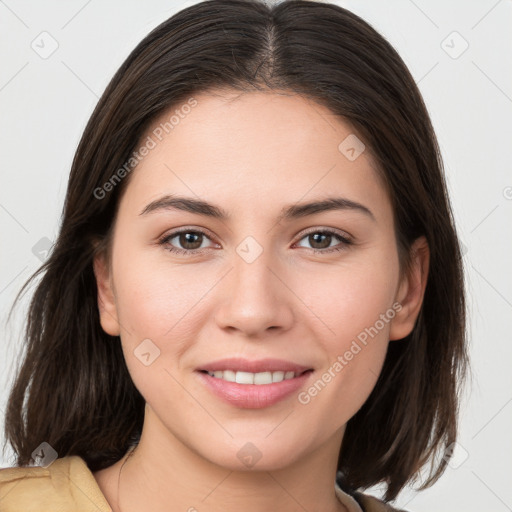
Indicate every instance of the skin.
{"type": "Point", "coordinates": [250, 154]}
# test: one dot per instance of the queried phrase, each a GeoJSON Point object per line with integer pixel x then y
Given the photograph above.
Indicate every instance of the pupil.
{"type": "Point", "coordinates": [186, 240]}
{"type": "Point", "coordinates": [315, 237]}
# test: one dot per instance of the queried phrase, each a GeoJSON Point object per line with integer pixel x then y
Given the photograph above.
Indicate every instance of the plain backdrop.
{"type": "Point", "coordinates": [56, 60]}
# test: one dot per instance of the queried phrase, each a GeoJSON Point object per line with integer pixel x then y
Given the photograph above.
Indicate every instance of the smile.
{"type": "Point", "coordinates": [253, 384]}
{"type": "Point", "coordinates": [258, 379]}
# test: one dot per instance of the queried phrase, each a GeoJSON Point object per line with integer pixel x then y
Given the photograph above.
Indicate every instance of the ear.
{"type": "Point", "coordinates": [411, 290]}
{"type": "Point", "coordinates": [106, 298]}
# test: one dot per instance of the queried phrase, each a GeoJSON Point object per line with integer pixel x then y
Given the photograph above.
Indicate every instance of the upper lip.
{"type": "Point", "coordinates": [256, 366]}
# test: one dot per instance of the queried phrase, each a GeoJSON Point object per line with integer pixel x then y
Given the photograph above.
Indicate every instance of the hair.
{"type": "Point", "coordinates": [72, 388]}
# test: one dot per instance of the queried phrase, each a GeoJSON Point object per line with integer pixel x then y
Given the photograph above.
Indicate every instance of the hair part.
{"type": "Point", "coordinates": [73, 389]}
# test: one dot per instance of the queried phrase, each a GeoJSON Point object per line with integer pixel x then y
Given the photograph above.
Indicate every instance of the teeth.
{"type": "Point", "coordinates": [277, 376]}
{"type": "Point", "coordinates": [229, 376]}
{"type": "Point", "coordinates": [252, 378]}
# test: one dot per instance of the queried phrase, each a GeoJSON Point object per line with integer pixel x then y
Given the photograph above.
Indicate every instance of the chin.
{"type": "Point", "coordinates": [252, 453]}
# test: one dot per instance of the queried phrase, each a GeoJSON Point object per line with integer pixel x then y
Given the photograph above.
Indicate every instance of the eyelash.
{"type": "Point", "coordinates": [192, 252]}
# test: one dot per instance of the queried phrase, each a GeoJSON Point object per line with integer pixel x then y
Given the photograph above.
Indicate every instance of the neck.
{"type": "Point", "coordinates": [165, 475]}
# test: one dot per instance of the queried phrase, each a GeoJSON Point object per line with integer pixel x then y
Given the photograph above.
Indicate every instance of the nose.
{"type": "Point", "coordinates": [256, 297]}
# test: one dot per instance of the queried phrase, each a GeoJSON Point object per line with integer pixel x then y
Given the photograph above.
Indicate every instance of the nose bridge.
{"type": "Point", "coordinates": [256, 299]}
{"type": "Point", "coordinates": [252, 269]}
{"type": "Point", "coordinates": [253, 279]}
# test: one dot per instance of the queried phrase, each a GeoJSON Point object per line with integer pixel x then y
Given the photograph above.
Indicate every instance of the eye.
{"type": "Point", "coordinates": [321, 240]}
{"type": "Point", "coordinates": [191, 241]}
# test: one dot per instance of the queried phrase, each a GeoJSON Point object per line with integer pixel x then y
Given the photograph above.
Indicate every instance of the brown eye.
{"type": "Point", "coordinates": [321, 241]}
{"type": "Point", "coordinates": [186, 241]}
{"type": "Point", "coordinates": [189, 240]}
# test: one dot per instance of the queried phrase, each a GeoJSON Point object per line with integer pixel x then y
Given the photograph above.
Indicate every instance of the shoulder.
{"type": "Point", "coordinates": [66, 484]}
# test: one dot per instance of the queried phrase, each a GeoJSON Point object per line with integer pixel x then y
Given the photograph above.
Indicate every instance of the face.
{"type": "Point", "coordinates": [295, 304]}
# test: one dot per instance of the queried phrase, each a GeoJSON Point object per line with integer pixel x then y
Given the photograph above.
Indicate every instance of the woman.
{"type": "Point", "coordinates": [256, 297]}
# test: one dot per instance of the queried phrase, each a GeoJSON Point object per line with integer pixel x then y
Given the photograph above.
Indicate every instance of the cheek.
{"type": "Point", "coordinates": [355, 306]}
{"type": "Point", "coordinates": [155, 299]}
{"type": "Point", "coordinates": [350, 298]}
{"type": "Point", "coordinates": [160, 305]}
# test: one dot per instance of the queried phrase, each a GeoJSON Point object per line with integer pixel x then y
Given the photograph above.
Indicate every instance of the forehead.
{"type": "Point", "coordinates": [254, 149]}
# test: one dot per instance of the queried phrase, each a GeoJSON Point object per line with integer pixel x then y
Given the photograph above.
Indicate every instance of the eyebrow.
{"type": "Point", "coordinates": [290, 212]}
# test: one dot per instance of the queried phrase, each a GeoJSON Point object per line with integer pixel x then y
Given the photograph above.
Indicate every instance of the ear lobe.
{"type": "Point", "coordinates": [411, 290]}
{"type": "Point", "coordinates": [106, 298]}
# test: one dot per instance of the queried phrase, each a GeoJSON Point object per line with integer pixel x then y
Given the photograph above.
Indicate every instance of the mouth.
{"type": "Point", "coordinates": [253, 384]}
{"type": "Point", "coordinates": [258, 379]}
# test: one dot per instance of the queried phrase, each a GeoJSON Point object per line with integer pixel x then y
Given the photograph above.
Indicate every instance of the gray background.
{"type": "Point", "coordinates": [45, 104]}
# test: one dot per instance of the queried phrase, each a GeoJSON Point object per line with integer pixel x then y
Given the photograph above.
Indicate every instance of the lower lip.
{"type": "Point", "coordinates": [252, 396]}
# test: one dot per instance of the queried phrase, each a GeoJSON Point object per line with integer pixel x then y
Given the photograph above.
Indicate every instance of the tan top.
{"type": "Point", "coordinates": [68, 485]}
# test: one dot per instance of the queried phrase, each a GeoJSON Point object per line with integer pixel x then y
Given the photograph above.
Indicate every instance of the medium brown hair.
{"type": "Point", "coordinates": [73, 389]}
